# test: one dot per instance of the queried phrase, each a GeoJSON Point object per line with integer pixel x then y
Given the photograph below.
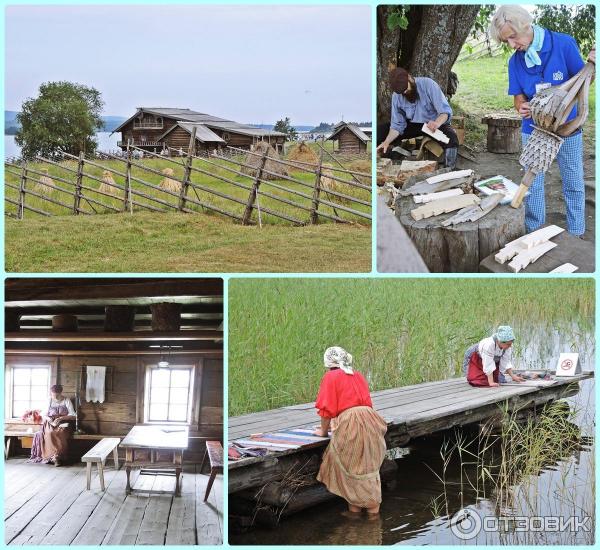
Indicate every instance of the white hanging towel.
{"type": "Point", "coordinates": [94, 390]}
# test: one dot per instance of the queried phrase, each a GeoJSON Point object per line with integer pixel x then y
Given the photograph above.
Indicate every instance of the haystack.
{"type": "Point", "coordinates": [329, 184]}
{"type": "Point", "coordinates": [42, 186]}
{"type": "Point", "coordinates": [303, 153]}
{"type": "Point", "coordinates": [168, 182]}
{"type": "Point", "coordinates": [363, 166]}
{"type": "Point", "coordinates": [108, 184]}
{"type": "Point", "coordinates": [252, 162]}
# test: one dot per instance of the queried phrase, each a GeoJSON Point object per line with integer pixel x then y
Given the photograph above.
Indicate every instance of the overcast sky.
{"type": "Point", "coordinates": [247, 63]}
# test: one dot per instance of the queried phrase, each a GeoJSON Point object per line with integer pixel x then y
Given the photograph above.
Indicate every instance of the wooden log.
{"type": "Point", "coordinates": [119, 318]}
{"type": "Point", "coordinates": [504, 133]}
{"type": "Point", "coordinates": [64, 323]}
{"type": "Point", "coordinates": [461, 248]}
{"type": "Point", "coordinates": [166, 316]}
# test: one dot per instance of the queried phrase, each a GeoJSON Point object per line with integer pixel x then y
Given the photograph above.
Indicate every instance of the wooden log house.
{"type": "Point", "coordinates": [161, 343]}
{"type": "Point", "coordinates": [154, 128]}
{"type": "Point", "coordinates": [350, 138]}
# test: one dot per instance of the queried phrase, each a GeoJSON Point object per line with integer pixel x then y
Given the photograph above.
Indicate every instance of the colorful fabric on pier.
{"type": "Point", "coordinates": [351, 462]}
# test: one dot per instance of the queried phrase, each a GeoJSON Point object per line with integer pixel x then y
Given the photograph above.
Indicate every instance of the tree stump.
{"type": "Point", "coordinates": [166, 317]}
{"type": "Point", "coordinates": [504, 133]}
{"type": "Point", "coordinates": [460, 248]}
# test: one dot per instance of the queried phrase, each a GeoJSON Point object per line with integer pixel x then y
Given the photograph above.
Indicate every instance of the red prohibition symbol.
{"type": "Point", "coordinates": [566, 364]}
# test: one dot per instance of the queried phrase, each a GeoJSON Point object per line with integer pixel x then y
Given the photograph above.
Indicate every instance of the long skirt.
{"type": "Point", "coordinates": [351, 462]}
{"type": "Point", "coordinates": [50, 444]}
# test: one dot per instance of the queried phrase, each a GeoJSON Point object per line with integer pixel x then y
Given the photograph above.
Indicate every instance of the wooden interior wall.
{"type": "Point", "coordinates": [118, 414]}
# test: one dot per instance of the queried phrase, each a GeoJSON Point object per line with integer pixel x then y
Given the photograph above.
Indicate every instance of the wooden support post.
{"type": "Point", "coordinates": [314, 217]}
{"type": "Point", "coordinates": [254, 191]}
{"type": "Point", "coordinates": [21, 206]}
{"type": "Point", "coordinates": [78, 184]}
{"type": "Point", "coordinates": [187, 171]}
{"type": "Point", "coordinates": [128, 200]}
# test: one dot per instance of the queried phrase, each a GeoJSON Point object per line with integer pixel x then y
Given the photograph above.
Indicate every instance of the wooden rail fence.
{"type": "Point", "coordinates": [234, 183]}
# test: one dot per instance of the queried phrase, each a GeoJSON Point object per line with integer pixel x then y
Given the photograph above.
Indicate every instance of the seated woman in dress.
{"type": "Point", "coordinates": [487, 362]}
{"type": "Point", "coordinates": [351, 462]}
{"type": "Point", "coordinates": [51, 443]}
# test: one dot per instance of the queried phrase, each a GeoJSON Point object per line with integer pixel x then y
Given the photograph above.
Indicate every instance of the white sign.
{"type": "Point", "coordinates": [568, 364]}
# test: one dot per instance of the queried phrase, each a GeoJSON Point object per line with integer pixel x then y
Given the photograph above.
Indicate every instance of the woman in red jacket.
{"type": "Point", "coordinates": [351, 462]}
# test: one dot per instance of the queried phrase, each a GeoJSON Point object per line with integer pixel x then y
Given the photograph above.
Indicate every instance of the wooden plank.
{"type": "Point", "coordinates": [181, 528]}
{"type": "Point", "coordinates": [126, 527]}
{"type": "Point", "coordinates": [71, 522]}
{"type": "Point", "coordinates": [207, 515]}
{"type": "Point", "coordinates": [153, 530]}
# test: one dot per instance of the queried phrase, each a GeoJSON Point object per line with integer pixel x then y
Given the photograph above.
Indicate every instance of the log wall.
{"type": "Point", "coordinates": [349, 143]}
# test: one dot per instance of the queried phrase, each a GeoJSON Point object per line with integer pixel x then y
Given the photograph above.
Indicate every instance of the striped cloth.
{"type": "Point", "coordinates": [570, 164]}
{"type": "Point", "coordinates": [351, 462]}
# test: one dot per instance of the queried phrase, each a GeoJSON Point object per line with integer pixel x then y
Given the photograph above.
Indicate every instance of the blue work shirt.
{"type": "Point", "coordinates": [429, 106]}
{"type": "Point", "coordinates": [560, 61]}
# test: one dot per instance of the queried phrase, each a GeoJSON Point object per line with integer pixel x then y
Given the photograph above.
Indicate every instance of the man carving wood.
{"type": "Point", "coordinates": [417, 101]}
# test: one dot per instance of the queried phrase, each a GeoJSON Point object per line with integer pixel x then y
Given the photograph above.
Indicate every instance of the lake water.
{"type": "Point", "coordinates": [106, 142]}
{"type": "Point", "coordinates": [432, 484]}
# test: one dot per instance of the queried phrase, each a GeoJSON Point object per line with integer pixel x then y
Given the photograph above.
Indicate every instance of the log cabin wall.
{"type": "Point", "coordinates": [128, 132]}
{"type": "Point", "coordinates": [179, 138]}
{"type": "Point", "coordinates": [121, 408]}
{"type": "Point", "coordinates": [349, 143]}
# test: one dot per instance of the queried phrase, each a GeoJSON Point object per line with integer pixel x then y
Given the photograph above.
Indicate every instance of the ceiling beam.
{"type": "Point", "coordinates": [141, 336]}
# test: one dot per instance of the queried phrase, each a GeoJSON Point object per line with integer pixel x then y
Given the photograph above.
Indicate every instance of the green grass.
{"type": "Point", "coordinates": [400, 332]}
{"type": "Point", "coordinates": [483, 89]}
{"type": "Point", "coordinates": [205, 179]}
{"type": "Point", "coordinates": [174, 242]}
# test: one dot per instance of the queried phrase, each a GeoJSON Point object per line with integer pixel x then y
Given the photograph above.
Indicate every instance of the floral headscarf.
{"type": "Point", "coordinates": [338, 357]}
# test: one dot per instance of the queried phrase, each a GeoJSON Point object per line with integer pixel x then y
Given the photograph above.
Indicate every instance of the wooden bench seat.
{"type": "Point", "coordinates": [214, 450]}
{"type": "Point", "coordinates": [98, 454]}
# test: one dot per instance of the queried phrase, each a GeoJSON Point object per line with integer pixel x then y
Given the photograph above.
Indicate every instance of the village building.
{"type": "Point", "coordinates": [156, 128]}
{"type": "Point", "coordinates": [349, 137]}
{"type": "Point", "coordinates": [131, 370]}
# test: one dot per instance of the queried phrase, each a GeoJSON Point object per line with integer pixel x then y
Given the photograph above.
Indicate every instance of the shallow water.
{"type": "Point", "coordinates": [409, 514]}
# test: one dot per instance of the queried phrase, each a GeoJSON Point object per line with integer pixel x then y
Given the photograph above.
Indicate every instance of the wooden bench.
{"type": "Point", "coordinates": [214, 450]}
{"type": "Point", "coordinates": [98, 454]}
{"type": "Point", "coordinates": [9, 435]}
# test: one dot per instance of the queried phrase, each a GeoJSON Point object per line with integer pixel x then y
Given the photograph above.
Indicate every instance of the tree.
{"type": "Point", "coordinates": [577, 20]}
{"type": "Point", "coordinates": [424, 39]}
{"type": "Point", "coordinates": [285, 126]}
{"type": "Point", "coordinates": [64, 117]}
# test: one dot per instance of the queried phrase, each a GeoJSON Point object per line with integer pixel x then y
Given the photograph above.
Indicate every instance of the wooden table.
{"type": "Point", "coordinates": [569, 249]}
{"type": "Point", "coordinates": [152, 443]}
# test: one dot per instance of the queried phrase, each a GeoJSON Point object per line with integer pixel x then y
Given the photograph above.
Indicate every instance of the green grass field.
{"type": "Point", "coordinates": [400, 332]}
{"type": "Point", "coordinates": [174, 242]}
{"type": "Point", "coordinates": [483, 89]}
{"type": "Point", "coordinates": [202, 241]}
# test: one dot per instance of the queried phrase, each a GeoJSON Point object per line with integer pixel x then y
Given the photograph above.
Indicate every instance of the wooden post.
{"type": "Point", "coordinates": [128, 201]}
{"type": "Point", "coordinates": [21, 206]}
{"type": "Point", "coordinates": [254, 191]}
{"type": "Point", "coordinates": [187, 171]}
{"type": "Point", "coordinates": [78, 183]}
{"type": "Point", "coordinates": [314, 217]}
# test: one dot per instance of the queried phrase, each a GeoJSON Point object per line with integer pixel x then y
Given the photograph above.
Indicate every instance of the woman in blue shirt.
{"type": "Point", "coordinates": [543, 58]}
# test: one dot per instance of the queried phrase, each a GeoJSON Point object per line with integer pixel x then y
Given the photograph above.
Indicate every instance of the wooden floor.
{"type": "Point", "coordinates": [49, 505]}
{"type": "Point", "coordinates": [410, 411]}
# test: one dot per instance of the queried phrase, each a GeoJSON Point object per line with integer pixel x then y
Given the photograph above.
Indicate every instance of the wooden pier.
{"type": "Point", "coordinates": [410, 412]}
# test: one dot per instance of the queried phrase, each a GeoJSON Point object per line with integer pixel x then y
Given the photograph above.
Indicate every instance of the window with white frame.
{"type": "Point", "coordinates": [28, 389]}
{"type": "Point", "coordinates": [169, 393]}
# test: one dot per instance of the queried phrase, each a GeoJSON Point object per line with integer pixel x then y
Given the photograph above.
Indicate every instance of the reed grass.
{"type": "Point", "coordinates": [400, 331]}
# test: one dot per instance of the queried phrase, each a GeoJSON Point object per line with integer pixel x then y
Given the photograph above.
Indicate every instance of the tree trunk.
{"type": "Point", "coordinates": [428, 47]}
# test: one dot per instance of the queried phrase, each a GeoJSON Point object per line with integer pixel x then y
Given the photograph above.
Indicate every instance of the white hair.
{"type": "Point", "coordinates": [515, 16]}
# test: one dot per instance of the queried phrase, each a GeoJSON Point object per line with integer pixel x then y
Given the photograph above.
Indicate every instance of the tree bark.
{"type": "Point", "coordinates": [428, 47]}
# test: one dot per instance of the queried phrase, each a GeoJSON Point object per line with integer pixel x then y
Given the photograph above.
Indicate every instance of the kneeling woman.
{"type": "Point", "coordinates": [351, 462]}
{"type": "Point", "coordinates": [51, 443]}
{"type": "Point", "coordinates": [488, 361]}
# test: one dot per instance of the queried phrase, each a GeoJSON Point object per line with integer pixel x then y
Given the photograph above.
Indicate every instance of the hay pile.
{"type": "Point", "coordinates": [168, 182]}
{"type": "Point", "coordinates": [252, 162]}
{"type": "Point", "coordinates": [41, 187]}
{"type": "Point", "coordinates": [329, 184]}
{"type": "Point", "coordinates": [108, 184]}
{"type": "Point", "coordinates": [303, 153]}
{"type": "Point", "coordinates": [363, 166]}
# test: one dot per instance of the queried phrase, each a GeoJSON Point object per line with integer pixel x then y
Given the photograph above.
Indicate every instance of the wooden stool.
{"type": "Point", "coordinates": [98, 454]}
{"type": "Point", "coordinates": [214, 450]}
